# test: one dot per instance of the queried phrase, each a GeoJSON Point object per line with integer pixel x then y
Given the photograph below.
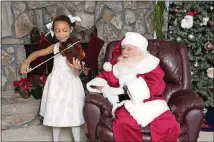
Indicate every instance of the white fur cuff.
{"type": "Point", "coordinates": [96, 82]}
{"type": "Point", "coordinates": [145, 113]}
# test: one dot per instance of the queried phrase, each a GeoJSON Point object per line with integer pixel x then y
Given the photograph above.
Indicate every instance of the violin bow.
{"type": "Point", "coordinates": [69, 46]}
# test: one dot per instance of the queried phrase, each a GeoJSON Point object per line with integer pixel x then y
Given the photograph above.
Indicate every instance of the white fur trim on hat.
{"type": "Point", "coordinates": [135, 39]}
{"type": "Point", "coordinates": [107, 66]}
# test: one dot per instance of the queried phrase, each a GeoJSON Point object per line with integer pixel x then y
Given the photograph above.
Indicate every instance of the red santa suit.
{"type": "Point", "coordinates": [147, 105]}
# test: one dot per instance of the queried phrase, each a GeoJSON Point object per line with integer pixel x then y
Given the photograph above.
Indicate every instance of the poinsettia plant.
{"type": "Point", "coordinates": [23, 87]}
{"type": "Point", "coordinates": [32, 85]}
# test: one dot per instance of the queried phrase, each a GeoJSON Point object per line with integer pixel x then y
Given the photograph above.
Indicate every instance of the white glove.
{"type": "Point", "coordinates": [112, 93]}
{"type": "Point", "coordinates": [126, 78]}
{"type": "Point", "coordinates": [108, 91]}
{"type": "Point", "coordinates": [137, 87]}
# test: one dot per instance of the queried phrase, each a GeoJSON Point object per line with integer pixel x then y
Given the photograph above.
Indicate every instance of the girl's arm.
{"type": "Point", "coordinates": [33, 56]}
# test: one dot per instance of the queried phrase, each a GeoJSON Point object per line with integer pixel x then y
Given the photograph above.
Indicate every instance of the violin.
{"type": "Point", "coordinates": [69, 50]}
{"type": "Point", "coordinates": [75, 51]}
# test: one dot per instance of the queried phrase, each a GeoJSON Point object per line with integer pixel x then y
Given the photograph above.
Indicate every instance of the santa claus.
{"type": "Point", "coordinates": [133, 66]}
{"type": "Point", "coordinates": [188, 20]}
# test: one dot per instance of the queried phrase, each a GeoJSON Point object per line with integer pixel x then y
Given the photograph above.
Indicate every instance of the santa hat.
{"type": "Point", "coordinates": [191, 14]}
{"type": "Point", "coordinates": [131, 38]}
{"type": "Point", "coordinates": [107, 66]}
{"type": "Point", "coordinates": [135, 39]}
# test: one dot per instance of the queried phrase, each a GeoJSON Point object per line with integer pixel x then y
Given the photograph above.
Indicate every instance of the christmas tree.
{"type": "Point", "coordinates": [193, 24]}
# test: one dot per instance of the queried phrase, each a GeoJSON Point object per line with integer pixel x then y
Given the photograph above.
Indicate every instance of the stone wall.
{"type": "Point", "coordinates": [112, 20]}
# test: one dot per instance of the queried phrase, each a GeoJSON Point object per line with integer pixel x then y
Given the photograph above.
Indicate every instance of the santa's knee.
{"type": "Point", "coordinates": [176, 127]}
{"type": "Point", "coordinates": [173, 130]}
{"type": "Point", "coordinates": [123, 125]}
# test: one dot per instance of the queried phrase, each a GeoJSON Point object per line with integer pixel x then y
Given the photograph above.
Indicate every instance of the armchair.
{"type": "Point", "coordinates": [183, 102]}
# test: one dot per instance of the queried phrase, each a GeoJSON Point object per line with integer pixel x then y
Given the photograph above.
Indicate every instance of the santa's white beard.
{"type": "Point", "coordinates": [126, 64]}
{"type": "Point", "coordinates": [186, 23]}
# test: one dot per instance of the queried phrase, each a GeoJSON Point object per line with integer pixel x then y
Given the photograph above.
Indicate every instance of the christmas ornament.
{"type": "Point", "coordinates": [210, 72]}
{"type": "Point", "coordinates": [208, 46]}
{"type": "Point", "coordinates": [170, 32]}
{"type": "Point", "coordinates": [175, 10]}
{"type": "Point", "coordinates": [175, 22]}
{"type": "Point", "coordinates": [196, 63]}
{"type": "Point", "coordinates": [190, 36]}
{"type": "Point", "coordinates": [192, 73]}
{"type": "Point", "coordinates": [178, 39]}
{"type": "Point", "coordinates": [211, 23]}
{"type": "Point", "coordinates": [205, 110]}
{"type": "Point", "coordinates": [187, 22]}
{"type": "Point", "coordinates": [205, 20]}
{"type": "Point", "coordinates": [211, 8]}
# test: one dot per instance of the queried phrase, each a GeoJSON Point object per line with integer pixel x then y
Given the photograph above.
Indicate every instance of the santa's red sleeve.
{"type": "Point", "coordinates": [155, 82]}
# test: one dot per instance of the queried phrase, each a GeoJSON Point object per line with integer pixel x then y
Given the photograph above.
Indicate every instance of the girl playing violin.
{"type": "Point", "coordinates": [63, 95]}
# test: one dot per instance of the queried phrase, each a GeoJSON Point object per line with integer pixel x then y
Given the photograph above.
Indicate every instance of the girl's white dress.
{"type": "Point", "coordinates": [63, 95]}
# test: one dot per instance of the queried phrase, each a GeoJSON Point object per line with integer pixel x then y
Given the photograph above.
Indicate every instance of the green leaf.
{"type": "Point", "coordinates": [157, 16]}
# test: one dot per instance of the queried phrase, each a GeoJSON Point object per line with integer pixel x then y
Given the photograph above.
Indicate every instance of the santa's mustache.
{"type": "Point", "coordinates": [123, 57]}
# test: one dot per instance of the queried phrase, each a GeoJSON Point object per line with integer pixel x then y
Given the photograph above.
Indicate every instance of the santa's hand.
{"type": "Point", "coordinates": [108, 91]}
{"type": "Point", "coordinates": [126, 78]}
{"type": "Point", "coordinates": [111, 94]}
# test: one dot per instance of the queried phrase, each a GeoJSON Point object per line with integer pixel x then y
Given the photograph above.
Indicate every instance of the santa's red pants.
{"type": "Point", "coordinates": [163, 128]}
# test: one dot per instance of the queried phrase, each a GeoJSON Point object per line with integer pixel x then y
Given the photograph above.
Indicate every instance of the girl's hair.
{"type": "Point", "coordinates": [63, 18]}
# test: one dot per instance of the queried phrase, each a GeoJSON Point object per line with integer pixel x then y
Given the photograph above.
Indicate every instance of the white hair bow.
{"type": "Point", "coordinates": [74, 19]}
{"type": "Point", "coordinates": [50, 25]}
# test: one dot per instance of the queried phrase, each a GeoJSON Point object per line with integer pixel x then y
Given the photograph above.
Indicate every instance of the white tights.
{"type": "Point", "coordinates": [75, 132]}
{"type": "Point", "coordinates": [56, 132]}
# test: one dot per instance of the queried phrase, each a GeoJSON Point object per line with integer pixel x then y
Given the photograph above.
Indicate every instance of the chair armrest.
{"type": "Point", "coordinates": [101, 102]}
{"type": "Point", "coordinates": [107, 121]}
{"type": "Point", "coordinates": [183, 101]}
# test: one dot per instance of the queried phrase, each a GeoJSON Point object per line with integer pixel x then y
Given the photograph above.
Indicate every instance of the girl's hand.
{"type": "Point", "coordinates": [76, 64]}
{"type": "Point", "coordinates": [25, 67]}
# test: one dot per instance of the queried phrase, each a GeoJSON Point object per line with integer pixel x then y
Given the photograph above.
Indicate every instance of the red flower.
{"type": "Point", "coordinates": [29, 85]}
{"type": "Point", "coordinates": [23, 84]}
{"type": "Point", "coordinates": [17, 83]}
{"type": "Point", "coordinates": [34, 79]}
{"type": "Point", "coordinates": [26, 88]}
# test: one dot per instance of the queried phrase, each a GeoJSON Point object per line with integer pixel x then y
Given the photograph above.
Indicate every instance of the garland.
{"type": "Point", "coordinates": [157, 16]}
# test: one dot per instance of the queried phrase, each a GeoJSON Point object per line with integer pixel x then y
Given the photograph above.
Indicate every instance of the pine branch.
{"type": "Point", "coordinates": [158, 18]}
